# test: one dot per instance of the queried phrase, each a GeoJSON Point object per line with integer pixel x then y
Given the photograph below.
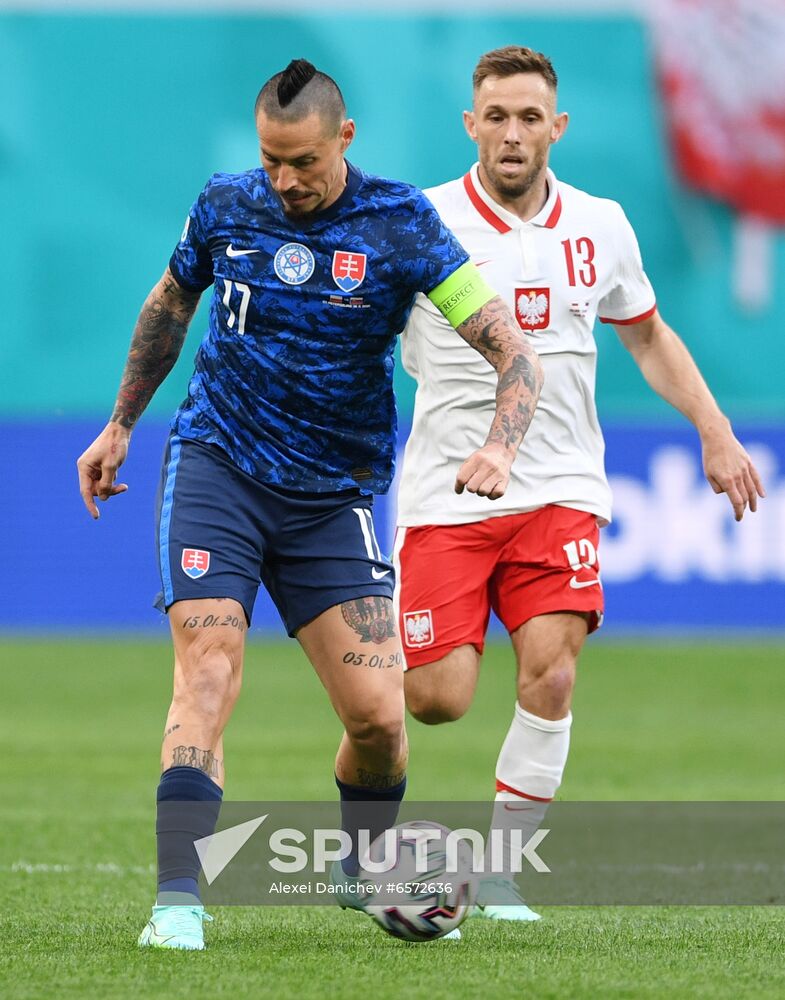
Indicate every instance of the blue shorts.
{"type": "Point", "coordinates": [221, 533]}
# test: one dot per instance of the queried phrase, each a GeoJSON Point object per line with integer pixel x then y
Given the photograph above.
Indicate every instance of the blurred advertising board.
{"type": "Point", "coordinates": [672, 560]}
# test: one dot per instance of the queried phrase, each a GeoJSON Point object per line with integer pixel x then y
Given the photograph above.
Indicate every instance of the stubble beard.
{"type": "Point", "coordinates": [517, 187]}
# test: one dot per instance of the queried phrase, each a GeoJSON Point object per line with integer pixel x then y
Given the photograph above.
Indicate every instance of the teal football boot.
{"type": "Point", "coordinates": [507, 903]}
{"type": "Point", "coordinates": [175, 927]}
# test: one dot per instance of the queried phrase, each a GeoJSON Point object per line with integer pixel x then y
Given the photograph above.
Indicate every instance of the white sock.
{"type": "Point", "coordinates": [532, 758]}
{"type": "Point", "coordinates": [528, 773]}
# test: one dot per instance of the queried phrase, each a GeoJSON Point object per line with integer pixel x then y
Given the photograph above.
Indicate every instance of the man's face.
{"type": "Point", "coordinates": [514, 124]}
{"type": "Point", "coordinates": [304, 160]}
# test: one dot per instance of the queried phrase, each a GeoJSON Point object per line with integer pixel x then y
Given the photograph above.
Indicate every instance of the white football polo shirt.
{"type": "Point", "coordinates": [576, 260]}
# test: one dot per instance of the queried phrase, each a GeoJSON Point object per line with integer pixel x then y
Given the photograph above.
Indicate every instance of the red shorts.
{"type": "Point", "coordinates": [521, 565]}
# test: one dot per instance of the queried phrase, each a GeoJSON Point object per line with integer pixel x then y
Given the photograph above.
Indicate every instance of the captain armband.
{"type": "Point", "coordinates": [460, 295]}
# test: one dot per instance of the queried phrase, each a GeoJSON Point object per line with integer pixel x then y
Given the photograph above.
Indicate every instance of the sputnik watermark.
{"type": "Point", "coordinates": [294, 851]}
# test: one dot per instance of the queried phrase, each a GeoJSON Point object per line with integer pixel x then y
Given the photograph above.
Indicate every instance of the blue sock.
{"type": "Point", "coordinates": [378, 815]}
{"type": "Point", "coordinates": [188, 807]}
{"type": "Point", "coordinates": [189, 885]}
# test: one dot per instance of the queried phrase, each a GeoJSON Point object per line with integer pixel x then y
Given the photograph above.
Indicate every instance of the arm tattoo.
{"type": "Point", "coordinates": [202, 760]}
{"type": "Point", "coordinates": [371, 617]}
{"type": "Point", "coordinates": [492, 332]}
{"type": "Point", "coordinates": [155, 346]}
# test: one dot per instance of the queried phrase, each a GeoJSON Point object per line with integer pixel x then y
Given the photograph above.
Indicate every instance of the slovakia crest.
{"type": "Point", "coordinates": [349, 269]}
{"type": "Point", "coordinates": [418, 628]}
{"type": "Point", "coordinates": [195, 562]}
{"type": "Point", "coordinates": [533, 308]}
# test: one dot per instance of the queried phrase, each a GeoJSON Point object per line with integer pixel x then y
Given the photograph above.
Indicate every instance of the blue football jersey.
{"type": "Point", "coordinates": [293, 378]}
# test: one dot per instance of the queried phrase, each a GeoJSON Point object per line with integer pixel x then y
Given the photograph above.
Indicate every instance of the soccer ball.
{"type": "Point", "coordinates": [412, 904]}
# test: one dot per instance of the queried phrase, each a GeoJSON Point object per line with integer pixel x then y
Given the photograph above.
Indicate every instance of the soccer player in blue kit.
{"type": "Point", "coordinates": [287, 431]}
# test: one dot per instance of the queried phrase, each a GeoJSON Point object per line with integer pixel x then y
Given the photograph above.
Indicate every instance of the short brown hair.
{"type": "Point", "coordinates": [514, 59]}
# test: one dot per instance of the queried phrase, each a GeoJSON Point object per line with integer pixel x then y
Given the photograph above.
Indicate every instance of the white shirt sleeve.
{"type": "Point", "coordinates": [630, 298]}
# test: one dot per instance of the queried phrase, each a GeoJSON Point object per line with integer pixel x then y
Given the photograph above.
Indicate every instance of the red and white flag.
{"type": "Point", "coordinates": [722, 68]}
{"type": "Point", "coordinates": [722, 73]}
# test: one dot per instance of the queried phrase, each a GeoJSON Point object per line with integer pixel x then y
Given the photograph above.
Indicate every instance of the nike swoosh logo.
{"type": "Point", "coordinates": [379, 574]}
{"type": "Point", "coordinates": [159, 939]}
{"type": "Point", "coordinates": [577, 584]}
{"type": "Point", "coordinates": [231, 252]}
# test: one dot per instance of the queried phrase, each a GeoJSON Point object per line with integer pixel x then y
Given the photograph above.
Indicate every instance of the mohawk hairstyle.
{"type": "Point", "coordinates": [297, 74]}
{"type": "Point", "coordinates": [299, 91]}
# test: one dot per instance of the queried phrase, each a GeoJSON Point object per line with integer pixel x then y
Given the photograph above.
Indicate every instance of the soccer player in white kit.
{"type": "Point", "coordinates": [561, 258]}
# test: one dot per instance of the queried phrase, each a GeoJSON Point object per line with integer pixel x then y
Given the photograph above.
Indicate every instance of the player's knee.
{"type": "Point", "coordinates": [433, 710]}
{"type": "Point", "coordinates": [382, 732]}
{"type": "Point", "coordinates": [549, 692]}
{"type": "Point", "coordinates": [559, 684]}
{"type": "Point", "coordinates": [435, 715]}
{"type": "Point", "coordinates": [442, 691]}
{"type": "Point", "coordinates": [431, 700]}
{"type": "Point", "coordinates": [208, 693]}
{"type": "Point", "coordinates": [209, 677]}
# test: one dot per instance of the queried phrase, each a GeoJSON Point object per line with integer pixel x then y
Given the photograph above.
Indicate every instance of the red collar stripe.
{"type": "Point", "coordinates": [485, 210]}
{"type": "Point", "coordinates": [491, 217]}
{"type": "Point", "coordinates": [553, 218]}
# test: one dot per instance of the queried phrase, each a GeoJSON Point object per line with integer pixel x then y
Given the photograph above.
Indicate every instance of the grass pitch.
{"type": "Point", "coordinates": [82, 722]}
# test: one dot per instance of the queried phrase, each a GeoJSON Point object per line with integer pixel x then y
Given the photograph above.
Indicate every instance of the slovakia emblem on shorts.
{"type": "Point", "coordinates": [418, 628]}
{"type": "Point", "coordinates": [195, 562]}
{"type": "Point", "coordinates": [533, 308]}
{"type": "Point", "coordinates": [294, 263]}
{"type": "Point", "coordinates": [348, 269]}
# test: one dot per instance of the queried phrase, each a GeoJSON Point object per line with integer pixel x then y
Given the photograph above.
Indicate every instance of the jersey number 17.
{"type": "Point", "coordinates": [245, 297]}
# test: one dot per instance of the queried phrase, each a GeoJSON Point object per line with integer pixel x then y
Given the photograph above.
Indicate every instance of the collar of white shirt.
{"type": "Point", "coordinates": [502, 219]}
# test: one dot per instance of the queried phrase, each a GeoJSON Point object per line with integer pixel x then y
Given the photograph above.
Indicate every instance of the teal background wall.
{"type": "Point", "coordinates": [109, 126]}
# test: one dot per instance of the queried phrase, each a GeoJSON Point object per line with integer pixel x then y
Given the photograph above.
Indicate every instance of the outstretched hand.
{"type": "Point", "coordinates": [729, 469]}
{"type": "Point", "coordinates": [485, 472]}
{"type": "Point", "coordinates": [97, 467]}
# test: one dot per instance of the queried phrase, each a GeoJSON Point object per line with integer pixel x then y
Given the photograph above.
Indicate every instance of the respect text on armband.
{"type": "Point", "coordinates": [457, 297]}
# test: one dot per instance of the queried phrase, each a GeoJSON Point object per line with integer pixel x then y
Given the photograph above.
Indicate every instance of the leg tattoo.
{"type": "Point", "coordinates": [371, 617]}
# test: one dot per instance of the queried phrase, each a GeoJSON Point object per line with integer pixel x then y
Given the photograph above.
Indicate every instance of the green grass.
{"type": "Point", "coordinates": [81, 725]}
